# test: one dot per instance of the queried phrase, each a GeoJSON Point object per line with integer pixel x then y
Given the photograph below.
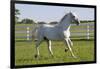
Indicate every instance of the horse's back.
{"type": "Point", "coordinates": [52, 32]}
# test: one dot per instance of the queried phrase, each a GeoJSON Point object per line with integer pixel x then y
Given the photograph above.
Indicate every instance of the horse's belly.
{"type": "Point", "coordinates": [54, 38]}
{"type": "Point", "coordinates": [52, 34]}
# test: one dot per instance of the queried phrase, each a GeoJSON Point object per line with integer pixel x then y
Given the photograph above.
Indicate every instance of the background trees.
{"type": "Point", "coordinates": [27, 21]}
{"type": "Point", "coordinates": [17, 13]}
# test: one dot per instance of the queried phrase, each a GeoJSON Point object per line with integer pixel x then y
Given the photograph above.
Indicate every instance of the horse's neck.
{"type": "Point", "coordinates": [65, 24]}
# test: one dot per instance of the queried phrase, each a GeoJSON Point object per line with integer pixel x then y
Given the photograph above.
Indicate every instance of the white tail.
{"type": "Point", "coordinates": [34, 31]}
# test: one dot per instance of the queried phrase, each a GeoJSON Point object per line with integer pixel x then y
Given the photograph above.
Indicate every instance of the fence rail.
{"type": "Point", "coordinates": [85, 30]}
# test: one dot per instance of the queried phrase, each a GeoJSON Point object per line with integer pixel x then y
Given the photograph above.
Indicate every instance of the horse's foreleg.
{"type": "Point", "coordinates": [66, 48]}
{"type": "Point", "coordinates": [71, 43]}
{"type": "Point", "coordinates": [49, 47]}
{"type": "Point", "coordinates": [70, 48]}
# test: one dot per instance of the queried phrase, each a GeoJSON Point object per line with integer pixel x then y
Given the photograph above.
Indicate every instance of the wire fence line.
{"type": "Point", "coordinates": [83, 31]}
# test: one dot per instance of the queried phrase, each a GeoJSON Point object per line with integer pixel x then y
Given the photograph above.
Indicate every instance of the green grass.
{"type": "Point", "coordinates": [25, 51]}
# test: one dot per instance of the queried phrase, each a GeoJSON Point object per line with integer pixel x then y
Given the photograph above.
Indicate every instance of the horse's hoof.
{"type": "Point", "coordinates": [35, 56]}
{"type": "Point", "coordinates": [74, 57]}
{"type": "Point", "coordinates": [66, 50]}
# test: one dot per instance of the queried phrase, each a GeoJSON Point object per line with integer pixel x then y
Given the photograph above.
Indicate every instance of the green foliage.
{"type": "Point", "coordinates": [27, 21]}
{"type": "Point", "coordinates": [17, 12]}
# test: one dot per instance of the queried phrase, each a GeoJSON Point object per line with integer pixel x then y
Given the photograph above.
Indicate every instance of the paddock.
{"type": "Point", "coordinates": [82, 37]}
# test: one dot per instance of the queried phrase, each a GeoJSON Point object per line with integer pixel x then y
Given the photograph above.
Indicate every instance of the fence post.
{"type": "Point", "coordinates": [28, 33]}
{"type": "Point", "coordinates": [88, 34]}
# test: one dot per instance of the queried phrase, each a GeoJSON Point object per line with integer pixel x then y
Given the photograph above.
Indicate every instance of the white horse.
{"type": "Point", "coordinates": [61, 31]}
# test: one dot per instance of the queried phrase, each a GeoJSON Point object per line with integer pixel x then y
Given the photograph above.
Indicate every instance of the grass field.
{"type": "Point", "coordinates": [25, 51]}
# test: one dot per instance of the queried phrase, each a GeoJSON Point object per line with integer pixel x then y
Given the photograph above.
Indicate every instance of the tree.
{"type": "Point", "coordinates": [27, 21]}
{"type": "Point", "coordinates": [16, 15]}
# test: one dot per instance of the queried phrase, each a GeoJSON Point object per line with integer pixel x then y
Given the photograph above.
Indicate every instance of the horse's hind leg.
{"type": "Point", "coordinates": [70, 48]}
{"type": "Point", "coordinates": [37, 48]}
{"type": "Point", "coordinates": [49, 47]}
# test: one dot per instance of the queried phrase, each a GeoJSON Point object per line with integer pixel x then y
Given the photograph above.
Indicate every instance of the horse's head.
{"type": "Point", "coordinates": [74, 18]}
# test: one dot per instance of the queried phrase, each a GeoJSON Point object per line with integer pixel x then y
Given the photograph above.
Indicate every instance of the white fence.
{"type": "Point", "coordinates": [83, 31]}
